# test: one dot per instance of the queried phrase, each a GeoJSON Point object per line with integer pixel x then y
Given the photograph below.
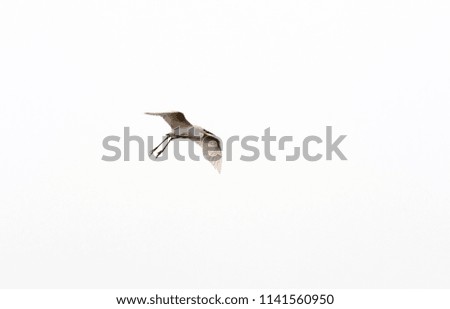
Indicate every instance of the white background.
{"type": "Point", "coordinates": [73, 72]}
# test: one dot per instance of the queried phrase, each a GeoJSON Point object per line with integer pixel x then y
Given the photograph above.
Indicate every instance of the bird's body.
{"type": "Point", "coordinates": [182, 128]}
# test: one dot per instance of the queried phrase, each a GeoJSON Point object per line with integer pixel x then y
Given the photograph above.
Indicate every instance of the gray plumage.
{"type": "Point", "coordinates": [182, 128]}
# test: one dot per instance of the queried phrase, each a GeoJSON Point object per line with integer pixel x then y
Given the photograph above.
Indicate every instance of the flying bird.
{"type": "Point", "coordinates": [181, 128]}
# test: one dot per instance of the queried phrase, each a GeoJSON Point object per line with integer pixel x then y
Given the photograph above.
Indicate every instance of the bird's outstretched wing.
{"type": "Point", "coordinates": [174, 119]}
{"type": "Point", "coordinates": [212, 150]}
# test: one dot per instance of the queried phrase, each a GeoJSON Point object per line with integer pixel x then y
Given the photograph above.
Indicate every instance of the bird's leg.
{"type": "Point", "coordinates": [154, 149]}
{"type": "Point", "coordinates": [164, 148]}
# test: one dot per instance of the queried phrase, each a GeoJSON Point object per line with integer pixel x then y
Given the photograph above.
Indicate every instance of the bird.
{"type": "Point", "coordinates": [182, 128]}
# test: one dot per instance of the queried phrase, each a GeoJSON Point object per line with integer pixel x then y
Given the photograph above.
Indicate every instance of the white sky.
{"type": "Point", "coordinates": [72, 73]}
